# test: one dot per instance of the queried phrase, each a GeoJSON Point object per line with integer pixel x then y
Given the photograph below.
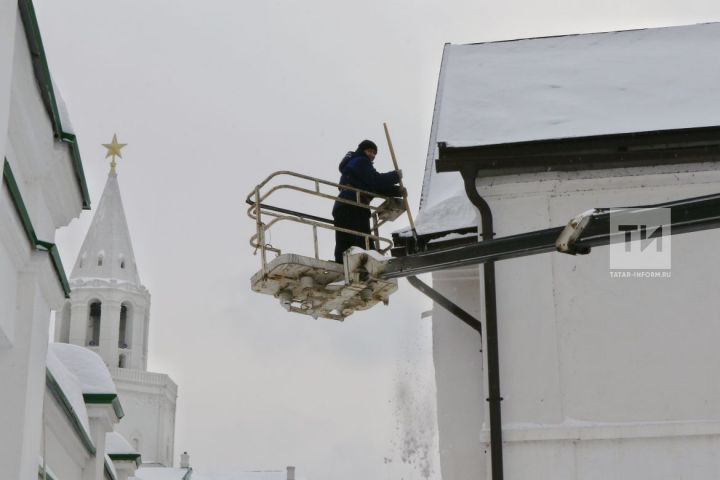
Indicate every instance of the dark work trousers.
{"type": "Point", "coordinates": [352, 218]}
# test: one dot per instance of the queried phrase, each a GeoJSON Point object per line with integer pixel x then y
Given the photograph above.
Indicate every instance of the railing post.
{"type": "Point", "coordinates": [260, 232]}
{"type": "Point", "coordinates": [376, 230]}
{"type": "Point", "coordinates": [315, 239]}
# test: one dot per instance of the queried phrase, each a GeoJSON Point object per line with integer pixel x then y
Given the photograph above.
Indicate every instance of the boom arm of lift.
{"type": "Point", "coordinates": [587, 230]}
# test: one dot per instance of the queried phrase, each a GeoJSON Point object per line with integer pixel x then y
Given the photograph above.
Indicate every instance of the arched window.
{"type": "Point", "coordinates": [125, 335]}
{"type": "Point", "coordinates": [93, 332]}
{"type": "Point", "coordinates": [100, 260]}
{"type": "Point", "coordinates": [122, 361]}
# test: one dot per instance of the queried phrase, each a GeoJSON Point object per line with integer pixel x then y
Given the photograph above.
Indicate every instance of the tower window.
{"type": "Point", "coordinates": [100, 261]}
{"type": "Point", "coordinates": [125, 333]}
{"type": "Point", "coordinates": [93, 332]}
{"type": "Point", "coordinates": [122, 263]}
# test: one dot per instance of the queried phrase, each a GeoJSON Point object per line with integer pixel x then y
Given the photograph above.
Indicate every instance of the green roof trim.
{"type": "Point", "coordinates": [21, 209]}
{"type": "Point", "coordinates": [44, 474]}
{"type": "Point", "coordinates": [105, 399]}
{"type": "Point", "coordinates": [47, 92]}
{"type": "Point", "coordinates": [109, 475]}
{"type": "Point", "coordinates": [71, 414]}
{"type": "Point", "coordinates": [128, 457]}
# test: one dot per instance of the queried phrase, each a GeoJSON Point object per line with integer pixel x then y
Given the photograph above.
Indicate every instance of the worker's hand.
{"type": "Point", "coordinates": [399, 172]}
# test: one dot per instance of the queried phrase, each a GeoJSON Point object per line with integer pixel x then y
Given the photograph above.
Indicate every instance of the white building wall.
{"type": "Point", "coordinates": [460, 384]}
{"type": "Point", "coordinates": [62, 450]}
{"type": "Point", "coordinates": [29, 288]}
{"type": "Point", "coordinates": [8, 24]}
{"type": "Point", "coordinates": [149, 402]}
{"type": "Point", "coordinates": [602, 377]}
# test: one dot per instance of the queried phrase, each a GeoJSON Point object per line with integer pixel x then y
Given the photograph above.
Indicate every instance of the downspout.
{"type": "Point", "coordinates": [494, 397]}
{"type": "Point", "coordinates": [469, 175]}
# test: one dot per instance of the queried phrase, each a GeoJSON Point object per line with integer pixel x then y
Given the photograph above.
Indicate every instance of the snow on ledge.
{"type": "Point", "coordinates": [116, 444]}
{"type": "Point", "coordinates": [86, 366]}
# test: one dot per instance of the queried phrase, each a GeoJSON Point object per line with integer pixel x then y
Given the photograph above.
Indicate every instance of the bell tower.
{"type": "Point", "coordinates": [109, 308]}
{"type": "Point", "coordinates": [109, 312]}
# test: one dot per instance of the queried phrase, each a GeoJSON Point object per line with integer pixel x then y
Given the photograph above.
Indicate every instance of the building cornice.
{"type": "Point", "coordinates": [126, 457]}
{"type": "Point", "coordinates": [47, 92]}
{"type": "Point", "coordinates": [26, 223]}
{"type": "Point", "coordinates": [105, 399]}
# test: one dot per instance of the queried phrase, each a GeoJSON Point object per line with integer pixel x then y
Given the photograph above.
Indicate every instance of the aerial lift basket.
{"type": "Point", "coordinates": [309, 285]}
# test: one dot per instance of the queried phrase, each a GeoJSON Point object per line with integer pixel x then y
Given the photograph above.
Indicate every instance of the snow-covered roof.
{"type": "Point", "coordinates": [162, 473]}
{"type": "Point", "coordinates": [580, 85]}
{"type": "Point", "coordinates": [257, 475]}
{"type": "Point", "coordinates": [71, 387]}
{"type": "Point", "coordinates": [86, 366]}
{"type": "Point", "coordinates": [564, 87]}
{"type": "Point", "coordinates": [116, 444]}
{"type": "Point", "coordinates": [107, 251]}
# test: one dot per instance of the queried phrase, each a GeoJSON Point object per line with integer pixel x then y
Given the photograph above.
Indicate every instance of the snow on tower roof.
{"type": "Point", "coordinates": [107, 251]}
{"type": "Point", "coordinates": [86, 366]}
{"type": "Point", "coordinates": [564, 87]}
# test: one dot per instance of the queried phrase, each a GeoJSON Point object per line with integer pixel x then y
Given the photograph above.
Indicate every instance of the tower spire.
{"type": "Point", "coordinates": [113, 150]}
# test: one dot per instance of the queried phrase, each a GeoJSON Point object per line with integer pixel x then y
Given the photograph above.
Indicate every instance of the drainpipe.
{"type": "Point", "coordinates": [469, 175]}
{"type": "Point", "coordinates": [494, 397]}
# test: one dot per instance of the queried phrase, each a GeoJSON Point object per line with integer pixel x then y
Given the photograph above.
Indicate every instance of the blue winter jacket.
{"type": "Point", "coordinates": [358, 171]}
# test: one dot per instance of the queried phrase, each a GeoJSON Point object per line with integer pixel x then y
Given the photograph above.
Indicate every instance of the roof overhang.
{"type": "Point", "coordinates": [659, 147]}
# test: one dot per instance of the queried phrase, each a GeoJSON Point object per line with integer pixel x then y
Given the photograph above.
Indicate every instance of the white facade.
{"type": "Point", "coordinates": [41, 191]}
{"type": "Point", "coordinates": [109, 313]}
{"type": "Point", "coordinates": [601, 377]}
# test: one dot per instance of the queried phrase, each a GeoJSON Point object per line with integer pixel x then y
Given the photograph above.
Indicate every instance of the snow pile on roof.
{"type": "Point", "coordinates": [86, 366]}
{"type": "Point", "coordinates": [162, 473]}
{"type": "Point", "coordinates": [70, 386]}
{"type": "Point", "coordinates": [561, 87]}
{"type": "Point", "coordinates": [116, 444]}
{"type": "Point", "coordinates": [372, 253]}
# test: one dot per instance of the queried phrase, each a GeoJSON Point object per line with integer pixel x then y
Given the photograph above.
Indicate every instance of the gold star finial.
{"type": "Point", "coordinates": [113, 150]}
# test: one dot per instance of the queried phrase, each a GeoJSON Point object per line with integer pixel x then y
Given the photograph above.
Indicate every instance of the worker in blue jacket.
{"type": "Point", "coordinates": [357, 171]}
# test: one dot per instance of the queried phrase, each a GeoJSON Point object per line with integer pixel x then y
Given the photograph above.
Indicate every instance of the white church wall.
{"type": "Point", "coordinates": [596, 372]}
{"type": "Point", "coordinates": [149, 401]}
{"type": "Point", "coordinates": [29, 285]}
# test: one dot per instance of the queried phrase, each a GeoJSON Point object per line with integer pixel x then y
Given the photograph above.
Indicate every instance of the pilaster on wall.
{"type": "Point", "coordinates": [79, 317]}
{"type": "Point", "coordinates": [110, 331]}
{"type": "Point", "coordinates": [102, 418]}
{"type": "Point", "coordinates": [22, 370]}
{"type": "Point", "coordinates": [459, 375]}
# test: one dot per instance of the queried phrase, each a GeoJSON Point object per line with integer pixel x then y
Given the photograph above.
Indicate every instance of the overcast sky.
{"type": "Point", "coordinates": [212, 97]}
